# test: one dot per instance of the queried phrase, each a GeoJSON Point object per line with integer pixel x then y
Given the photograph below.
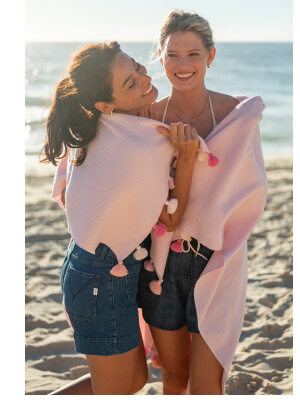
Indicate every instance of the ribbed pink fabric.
{"type": "Point", "coordinates": [116, 196]}
{"type": "Point", "coordinates": [224, 205]}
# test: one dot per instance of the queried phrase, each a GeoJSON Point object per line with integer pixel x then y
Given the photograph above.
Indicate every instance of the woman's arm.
{"type": "Point", "coordinates": [185, 140]}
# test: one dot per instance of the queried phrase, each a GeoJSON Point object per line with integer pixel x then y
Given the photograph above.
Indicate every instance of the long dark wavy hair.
{"type": "Point", "coordinates": [73, 117]}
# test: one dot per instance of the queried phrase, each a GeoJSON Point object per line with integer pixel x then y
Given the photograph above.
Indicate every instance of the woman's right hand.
{"type": "Point", "coordinates": [184, 138]}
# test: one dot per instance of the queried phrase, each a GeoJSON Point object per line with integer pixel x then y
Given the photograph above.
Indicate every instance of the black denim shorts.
{"type": "Point", "coordinates": [175, 307]}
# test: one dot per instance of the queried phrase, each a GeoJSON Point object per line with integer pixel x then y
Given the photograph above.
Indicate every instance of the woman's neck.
{"type": "Point", "coordinates": [188, 103]}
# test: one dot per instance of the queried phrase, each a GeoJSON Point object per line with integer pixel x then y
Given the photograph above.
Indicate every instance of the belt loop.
{"type": "Point", "coordinates": [103, 250]}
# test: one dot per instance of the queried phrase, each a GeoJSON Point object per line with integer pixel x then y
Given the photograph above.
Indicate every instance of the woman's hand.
{"type": "Point", "coordinates": [184, 138]}
{"type": "Point", "coordinates": [186, 141]}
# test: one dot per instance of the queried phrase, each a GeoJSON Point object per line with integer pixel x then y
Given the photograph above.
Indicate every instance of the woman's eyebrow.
{"type": "Point", "coordinates": [190, 50]}
{"type": "Point", "coordinates": [127, 79]}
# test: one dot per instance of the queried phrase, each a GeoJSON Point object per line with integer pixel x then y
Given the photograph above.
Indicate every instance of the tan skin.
{"type": "Point", "coordinates": [184, 356]}
{"type": "Point", "coordinates": [127, 373]}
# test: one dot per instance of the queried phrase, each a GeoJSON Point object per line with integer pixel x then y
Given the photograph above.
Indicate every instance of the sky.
{"type": "Point", "coordinates": [138, 21]}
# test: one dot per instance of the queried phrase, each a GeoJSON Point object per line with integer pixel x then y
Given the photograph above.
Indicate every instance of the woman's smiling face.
{"type": "Point", "coordinates": [132, 88]}
{"type": "Point", "coordinates": [185, 59]}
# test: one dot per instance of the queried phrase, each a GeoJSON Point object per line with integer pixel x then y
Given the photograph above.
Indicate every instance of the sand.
{"type": "Point", "coordinates": [263, 363]}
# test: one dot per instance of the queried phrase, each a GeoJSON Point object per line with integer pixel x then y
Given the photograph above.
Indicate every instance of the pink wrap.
{"type": "Point", "coordinates": [116, 196]}
{"type": "Point", "coordinates": [224, 205]}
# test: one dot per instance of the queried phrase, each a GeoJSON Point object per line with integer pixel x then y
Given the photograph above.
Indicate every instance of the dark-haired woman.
{"type": "Point", "coordinates": [87, 127]}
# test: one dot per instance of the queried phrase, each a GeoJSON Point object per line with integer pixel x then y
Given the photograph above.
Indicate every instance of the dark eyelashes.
{"type": "Point", "coordinates": [190, 54]}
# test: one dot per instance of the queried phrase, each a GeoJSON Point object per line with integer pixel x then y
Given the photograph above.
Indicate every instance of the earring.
{"type": "Point", "coordinates": [208, 66]}
{"type": "Point", "coordinates": [111, 112]}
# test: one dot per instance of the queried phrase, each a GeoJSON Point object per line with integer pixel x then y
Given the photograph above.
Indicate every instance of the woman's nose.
{"type": "Point", "coordinates": [146, 80]}
{"type": "Point", "coordinates": [182, 61]}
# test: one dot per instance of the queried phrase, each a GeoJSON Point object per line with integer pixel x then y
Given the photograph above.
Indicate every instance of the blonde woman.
{"type": "Point", "coordinates": [196, 320]}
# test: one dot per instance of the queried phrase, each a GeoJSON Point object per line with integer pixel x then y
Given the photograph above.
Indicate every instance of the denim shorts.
{"type": "Point", "coordinates": [175, 307]}
{"type": "Point", "coordinates": [100, 307]}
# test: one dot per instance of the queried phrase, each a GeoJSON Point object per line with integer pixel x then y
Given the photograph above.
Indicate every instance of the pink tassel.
{"type": "Point", "coordinates": [148, 265]}
{"type": "Point", "coordinates": [155, 287]}
{"type": "Point", "coordinates": [213, 160]}
{"type": "Point", "coordinates": [171, 183]}
{"type": "Point", "coordinates": [155, 360]}
{"type": "Point", "coordinates": [147, 352]}
{"type": "Point", "coordinates": [176, 246]}
{"type": "Point", "coordinates": [119, 270]}
{"type": "Point", "coordinates": [160, 230]}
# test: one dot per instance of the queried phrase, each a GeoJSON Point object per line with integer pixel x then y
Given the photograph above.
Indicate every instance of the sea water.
{"type": "Point", "coordinates": [250, 69]}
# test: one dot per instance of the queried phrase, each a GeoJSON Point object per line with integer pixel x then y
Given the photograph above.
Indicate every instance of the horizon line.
{"type": "Point", "coordinates": [152, 41]}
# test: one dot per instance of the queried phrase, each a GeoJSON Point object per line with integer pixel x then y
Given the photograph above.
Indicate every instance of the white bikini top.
{"type": "Point", "coordinates": [211, 109]}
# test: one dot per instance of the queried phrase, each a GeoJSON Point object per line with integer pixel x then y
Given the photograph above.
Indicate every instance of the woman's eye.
{"type": "Point", "coordinates": [194, 54]}
{"type": "Point", "coordinates": [132, 85]}
{"type": "Point", "coordinates": [171, 55]}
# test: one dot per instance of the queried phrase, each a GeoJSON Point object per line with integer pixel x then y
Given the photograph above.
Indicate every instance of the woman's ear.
{"type": "Point", "coordinates": [211, 55]}
{"type": "Point", "coordinates": [104, 107]}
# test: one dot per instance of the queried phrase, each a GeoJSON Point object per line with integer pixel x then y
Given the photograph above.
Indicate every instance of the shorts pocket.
{"type": "Point", "coordinates": [81, 293]}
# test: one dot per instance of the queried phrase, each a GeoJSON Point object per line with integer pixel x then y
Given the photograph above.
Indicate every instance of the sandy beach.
{"type": "Point", "coordinates": [263, 363]}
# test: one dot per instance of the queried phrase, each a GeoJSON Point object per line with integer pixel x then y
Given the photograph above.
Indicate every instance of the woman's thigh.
{"type": "Point", "coordinates": [205, 370]}
{"type": "Point", "coordinates": [174, 350]}
{"type": "Point", "coordinates": [119, 374]}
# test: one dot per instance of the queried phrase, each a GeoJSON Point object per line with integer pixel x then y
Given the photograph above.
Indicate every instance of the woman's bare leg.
{"type": "Point", "coordinates": [205, 370]}
{"type": "Point", "coordinates": [123, 374]}
{"type": "Point", "coordinates": [174, 348]}
{"type": "Point", "coordinates": [111, 375]}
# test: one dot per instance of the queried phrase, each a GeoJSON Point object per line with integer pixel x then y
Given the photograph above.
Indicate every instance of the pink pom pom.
{"type": "Point", "coordinates": [147, 352]}
{"type": "Point", "coordinates": [155, 287]}
{"type": "Point", "coordinates": [119, 270]}
{"type": "Point", "coordinates": [148, 265]}
{"type": "Point", "coordinates": [160, 230]}
{"type": "Point", "coordinates": [213, 160]}
{"type": "Point", "coordinates": [176, 246]}
{"type": "Point", "coordinates": [155, 360]}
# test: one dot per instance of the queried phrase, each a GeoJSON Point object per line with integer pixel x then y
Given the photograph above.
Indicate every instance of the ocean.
{"type": "Point", "coordinates": [250, 69]}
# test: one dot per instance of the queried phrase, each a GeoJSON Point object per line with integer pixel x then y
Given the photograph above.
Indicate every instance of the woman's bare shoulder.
{"type": "Point", "coordinates": [223, 104]}
{"type": "Point", "coordinates": [159, 108]}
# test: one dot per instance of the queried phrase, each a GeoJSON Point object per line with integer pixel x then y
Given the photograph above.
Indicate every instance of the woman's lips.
{"type": "Point", "coordinates": [184, 76]}
{"type": "Point", "coordinates": [149, 90]}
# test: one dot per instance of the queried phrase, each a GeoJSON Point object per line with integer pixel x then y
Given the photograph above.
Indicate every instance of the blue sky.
{"type": "Point", "coordinates": [97, 20]}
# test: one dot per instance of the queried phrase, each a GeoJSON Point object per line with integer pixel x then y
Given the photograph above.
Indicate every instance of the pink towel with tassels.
{"type": "Point", "coordinates": [224, 205]}
{"type": "Point", "coordinates": [116, 195]}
